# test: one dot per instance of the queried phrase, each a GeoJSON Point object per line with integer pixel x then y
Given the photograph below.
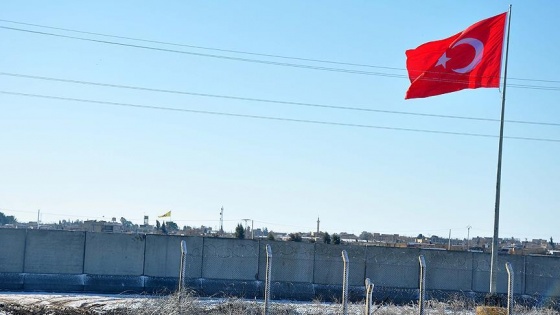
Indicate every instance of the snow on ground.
{"type": "Point", "coordinates": [105, 303]}
{"type": "Point", "coordinates": [68, 300]}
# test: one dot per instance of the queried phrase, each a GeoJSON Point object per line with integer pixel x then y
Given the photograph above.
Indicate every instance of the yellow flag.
{"type": "Point", "coordinates": [165, 215]}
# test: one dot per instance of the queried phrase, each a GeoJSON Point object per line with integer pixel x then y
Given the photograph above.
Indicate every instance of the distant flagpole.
{"type": "Point", "coordinates": [494, 259]}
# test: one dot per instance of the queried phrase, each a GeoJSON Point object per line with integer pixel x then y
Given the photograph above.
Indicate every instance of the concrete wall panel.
{"type": "Point", "coordinates": [291, 261]}
{"type": "Point", "coordinates": [12, 242]}
{"type": "Point", "coordinates": [54, 282]}
{"type": "Point", "coordinates": [54, 252]}
{"type": "Point", "coordinates": [481, 272]}
{"type": "Point", "coordinates": [11, 281]}
{"type": "Point", "coordinates": [329, 266]}
{"type": "Point", "coordinates": [230, 259]}
{"type": "Point", "coordinates": [114, 254]}
{"type": "Point", "coordinates": [446, 270]}
{"type": "Point", "coordinates": [163, 256]}
{"type": "Point", "coordinates": [392, 267]}
{"type": "Point", "coordinates": [543, 276]}
{"type": "Point", "coordinates": [114, 284]}
{"type": "Point", "coordinates": [518, 265]}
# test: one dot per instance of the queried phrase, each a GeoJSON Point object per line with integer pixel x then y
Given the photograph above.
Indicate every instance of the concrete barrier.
{"type": "Point", "coordinates": [53, 282]}
{"type": "Point", "coordinates": [163, 256]}
{"type": "Point", "coordinates": [11, 281]}
{"type": "Point", "coordinates": [12, 254]}
{"type": "Point", "coordinates": [48, 260]}
{"type": "Point", "coordinates": [292, 269]}
{"type": "Point", "coordinates": [61, 252]}
{"type": "Point", "coordinates": [328, 267]}
{"type": "Point", "coordinates": [114, 254]}
{"type": "Point", "coordinates": [542, 276]}
{"type": "Point", "coordinates": [230, 259]}
{"type": "Point", "coordinates": [291, 261]}
{"type": "Point", "coordinates": [518, 264]}
{"type": "Point", "coordinates": [114, 284]}
{"type": "Point", "coordinates": [481, 273]}
{"type": "Point", "coordinates": [393, 267]}
{"type": "Point", "coordinates": [446, 270]}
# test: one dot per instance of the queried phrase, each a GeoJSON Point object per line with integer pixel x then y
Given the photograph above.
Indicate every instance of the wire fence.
{"type": "Point", "coordinates": [366, 291]}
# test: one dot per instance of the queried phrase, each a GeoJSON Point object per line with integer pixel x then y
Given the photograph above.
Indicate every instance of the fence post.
{"type": "Point", "coordinates": [267, 279]}
{"type": "Point", "coordinates": [369, 292]}
{"type": "Point", "coordinates": [422, 277]}
{"type": "Point", "coordinates": [345, 283]}
{"type": "Point", "coordinates": [183, 271]}
{"type": "Point", "coordinates": [509, 269]}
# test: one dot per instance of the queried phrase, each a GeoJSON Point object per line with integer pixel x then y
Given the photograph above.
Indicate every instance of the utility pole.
{"type": "Point", "coordinates": [38, 217]}
{"type": "Point", "coordinates": [449, 244]}
{"type": "Point", "coordinates": [222, 221]}
{"type": "Point", "coordinates": [468, 236]}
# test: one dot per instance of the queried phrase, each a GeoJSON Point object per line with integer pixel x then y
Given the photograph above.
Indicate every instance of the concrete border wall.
{"type": "Point", "coordinates": [442, 266]}
{"type": "Point", "coordinates": [541, 276]}
{"type": "Point", "coordinates": [56, 253]}
{"type": "Point", "coordinates": [480, 272]}
{"type": "Point", "coordinates": [291, 261]}
{"type": "Point", "coordinates": [114, 254]}
{"type": "Point", "coordinates": [50, 260]}
{"type": "Point", "coordinates": [393, 267]}
{"type": "Point", "coordinates": [12, 254]}
{"type": "Point", "coordinates": [230, 259]}
{"type": "Point", "coordinates": [292, 269]}
{"type": "Point", "coordinates": [163, 256]}
{"type": "Point", "coordinates": [329, 266]}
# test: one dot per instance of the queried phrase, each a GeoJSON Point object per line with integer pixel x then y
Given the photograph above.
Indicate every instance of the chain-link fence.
{"type": "Point", "coordinates": [308, 271]}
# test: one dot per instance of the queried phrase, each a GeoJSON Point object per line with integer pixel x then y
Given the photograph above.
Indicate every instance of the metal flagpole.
{"type": "Point", "coordinates": [494, 259]}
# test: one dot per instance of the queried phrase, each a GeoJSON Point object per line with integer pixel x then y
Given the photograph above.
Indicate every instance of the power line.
{"type": "Point", "coordinates": [272, 118]}
{"type": "Point", "coordinates": [270, 101]}
{"type": "Point", "coordinates": [274, 63]}
{"type": "Point", "coordinates": [237, 51]}
{"type": "Point", "coordinates": [285, 64]}
{"type": "Point", "coordinates": [203, 47]}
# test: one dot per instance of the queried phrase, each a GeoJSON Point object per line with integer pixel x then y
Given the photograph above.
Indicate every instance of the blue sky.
{"type": "Point", "coordinates": [76, 160]}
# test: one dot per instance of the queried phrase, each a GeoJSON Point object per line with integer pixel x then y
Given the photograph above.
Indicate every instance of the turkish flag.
{"type": "Point", "coordinates": [468, 60]}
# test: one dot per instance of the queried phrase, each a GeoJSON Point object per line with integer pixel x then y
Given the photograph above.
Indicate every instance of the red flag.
{"type": "Point", "coordinates": [468, 60]}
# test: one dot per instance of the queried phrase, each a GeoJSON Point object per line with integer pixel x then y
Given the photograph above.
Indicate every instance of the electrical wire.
{"type": "Point", "coordinates": [273, 118]}
{"type": "Point", "coordinates": [237, 51]}
{"type": "Point", "coordinates": [209, 55]}
{"type": "Point", "coordinates": [274, 63]}
{"type": "Point", "coordinates": [203, 47]}
{"type": "Point", "coordinates": [271, 101]}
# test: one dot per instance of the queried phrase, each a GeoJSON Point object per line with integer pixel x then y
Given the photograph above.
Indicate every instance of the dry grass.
{"type": "Point", "coordinates": [188, 303]}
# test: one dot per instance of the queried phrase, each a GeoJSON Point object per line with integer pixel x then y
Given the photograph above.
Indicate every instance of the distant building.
{"type": "Point", "coordinates": [102, 226]}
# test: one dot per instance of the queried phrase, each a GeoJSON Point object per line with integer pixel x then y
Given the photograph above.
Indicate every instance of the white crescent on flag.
{"type": "Point", "coordinates": [479, 51]}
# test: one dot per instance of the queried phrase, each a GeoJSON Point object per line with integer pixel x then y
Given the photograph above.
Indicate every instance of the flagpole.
{"type": "Point", "coordinates": [494, 257]}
